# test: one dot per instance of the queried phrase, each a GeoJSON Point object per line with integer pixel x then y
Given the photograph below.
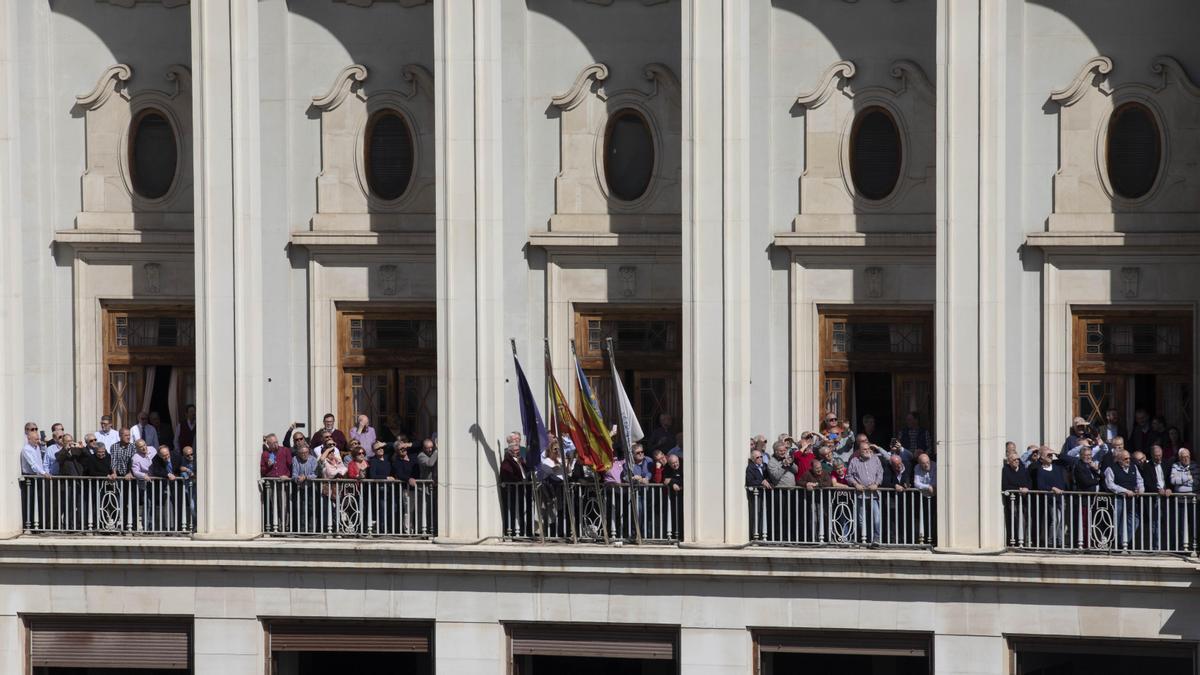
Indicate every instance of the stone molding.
{"type": "Point", "coordinates": [597, 242]}
{"type": "Point", "coordinates": [583, 202]}
{"type": "Point", "coordinates": [109, 108]}
{"type": "Point", "coordinates": [828, 200]}
{"type": "Point", "coordinates": [858, 243]}
{"type": "Point", "coordinates": [368, 3]}
{"type": "Point", "coordinates": [1087, 243]}
{"type": "Point", "coordinates": [131, 3]}
{"type": "Point", "coordinates": [608, 3]}
{"type": "Point", "coordinates": [1081, 184]}
{"type": "Point", "coordinates": [452, 557]}
{"type": "Point", "coordinates": [345, 202]}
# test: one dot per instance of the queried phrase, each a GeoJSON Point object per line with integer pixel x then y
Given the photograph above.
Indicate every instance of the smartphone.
{"type": "Point", "coordinates": [300, 425]}
{"type": "Point", "coordinates": [42, 434]}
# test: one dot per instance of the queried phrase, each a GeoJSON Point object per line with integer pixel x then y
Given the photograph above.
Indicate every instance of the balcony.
{"type": "Point", "coordinates": [1100, 522]}
{"type": "Point", "coordinates": [799, 516]}
{"type": "Point", "coordinates": [604, 513]}
{"type": "Point", "coordinates": [348, 508]}
{"type": "Point", "coordinates": [119, 506]}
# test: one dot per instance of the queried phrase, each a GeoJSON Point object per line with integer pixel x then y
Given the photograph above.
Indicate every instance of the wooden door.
{"type": "Point", "coordinates": [124, 397]}
{"type": "Point", "coordinates": [1095, 394]}
{"type": "Point", "coordinates": [657, 393]}
{"type": "Point", "coordinates": [418, 403]}
{"type": "Point", "coordinates": [367, 391]}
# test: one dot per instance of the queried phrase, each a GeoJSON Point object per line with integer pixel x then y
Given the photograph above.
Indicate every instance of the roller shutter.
{"type": "Point", "coordinates": [873, 644]}
{"type": "Point", "coordinates": [592, 642]}
{"type": "Point", "coordinates": [110, 642]}
{"type": "Point", "coordinates": [347, 636]}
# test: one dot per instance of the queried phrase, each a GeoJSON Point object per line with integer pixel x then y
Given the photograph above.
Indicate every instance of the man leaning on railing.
{"type": "Point", "coordinates": [865, 474]}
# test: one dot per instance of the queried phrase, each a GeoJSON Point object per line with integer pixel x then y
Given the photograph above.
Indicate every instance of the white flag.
{"type": "Point", "coordinates": [631, 430]}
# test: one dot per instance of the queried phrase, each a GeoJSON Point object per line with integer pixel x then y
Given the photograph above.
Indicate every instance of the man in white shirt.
{"type": "Point", "coordinates": [107, 434]}
{"type": "Point", "coordinates": [32, 462]}
{"type": "Point", "coordinates": [145, 431]}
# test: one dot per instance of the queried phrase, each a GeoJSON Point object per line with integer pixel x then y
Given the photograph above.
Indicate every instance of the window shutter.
{"type": "Point", "coordinates": [110, 642]}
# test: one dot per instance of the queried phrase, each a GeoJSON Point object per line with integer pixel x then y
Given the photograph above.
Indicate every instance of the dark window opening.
{"type": "Point", "coordinates": [875, 153]}
{"type": "Point", "coordinates": [628, 155]}
{"type": "Point", "coordinates": [1134, 151]}
{"type": "Point", "coordinates": [390, 155]}
{"type": "Point", "coordinates": [153, 154]}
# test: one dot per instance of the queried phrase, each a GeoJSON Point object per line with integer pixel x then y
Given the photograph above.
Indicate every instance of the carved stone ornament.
{"type": "Point", "coordinates": [583, 201]}
{"type": "Point", "coordinates": [108, 110]}
{"type": "Point", "coordinates": [387, 279]}
{"type": "Point", "coordinates": [344, 198]}
{"type": "Point", "coordinates": [1130, 278]}
{"type": "Point", "coordinates": [1082, 188]}
{"type": "Point", "coordinates": [130, 3]}
{"type": "Point", "coordinates": [828, 198]}
{"type": "Point", "coordinates": [153, 278]}
{"type": "Point", "coordinates": [628, 275]}
{"type": "Point", "coordinates": [874, 282]}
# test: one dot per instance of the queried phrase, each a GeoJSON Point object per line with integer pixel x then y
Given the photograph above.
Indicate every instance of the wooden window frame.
{"type": "Point", "coordinates": [351, 361]}
{"type": "Point", "coordinates": [115, 358]}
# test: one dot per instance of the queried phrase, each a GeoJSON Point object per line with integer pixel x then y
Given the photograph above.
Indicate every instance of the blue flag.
{"type": "Point", "coordinates": [532, 426]}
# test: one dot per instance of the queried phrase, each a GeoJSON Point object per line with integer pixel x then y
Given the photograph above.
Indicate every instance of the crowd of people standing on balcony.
{"type": "Point", "coordinates": [1104, 458]}
{"type": "Point", "coordinates": [838, 458]}
{"type": "Point", "coordinates": [335, 460]}
{"type": "Point", "coordinates": [655, 460]}
{"type": "Point", "coordinates": [138, 453]}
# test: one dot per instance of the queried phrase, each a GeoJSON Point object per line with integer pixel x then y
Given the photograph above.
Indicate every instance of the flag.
{"type": "Point", "coordinates": [600, 448]}
{"type": "Point", "coordinates": [631, 429]}
{"type": "Point", "coordinates": [532, 425]}
{"type": "Point", "coordinates": [564, 423]}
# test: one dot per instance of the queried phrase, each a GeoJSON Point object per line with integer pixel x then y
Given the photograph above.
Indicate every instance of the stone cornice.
{"type": "Point", "coordinates": [599, 242]}
{"type": "Point", "coordinates": [331, 241]}
{"type": "Point", "coordinates": [598, 561]}
{"type": "Point", "coordinates": [857, 243]}
{"type": "Point", "coordinates": [120, 240]}
{"type": "Point", "coordinates": [1082, 242]}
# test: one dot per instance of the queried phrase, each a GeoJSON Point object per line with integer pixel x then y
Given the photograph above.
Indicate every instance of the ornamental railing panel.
{"type": "Point", "coordinates": [1100, 522]}
{"type": "Point", "coordinates": [348, 508]}
{"type": "Point", "coordinates": [119, 506]}
{"type": "Point", "coordinates": [587, 512]}
{"type": "Point", "coordinates": [803, 516]}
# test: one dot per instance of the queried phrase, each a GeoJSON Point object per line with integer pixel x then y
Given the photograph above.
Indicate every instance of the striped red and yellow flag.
{"type": "Point", "coordinates": [600, 449]}
{"type": "Point", "coordinates": [563, 421]}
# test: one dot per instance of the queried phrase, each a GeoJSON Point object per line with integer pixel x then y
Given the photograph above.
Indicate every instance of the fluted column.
{"type": "Point", "coordinates": [228, 263]}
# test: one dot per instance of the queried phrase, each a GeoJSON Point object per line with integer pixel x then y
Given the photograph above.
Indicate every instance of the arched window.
{"type": "Point", "coordinates": [389, 154]}
{"type": "Point", "coordinates": [153, 154]}
{"type": "Point", "coordinates": [875, 153]}
{"type": "Point", "coordinates": [1134, 150]}
{"type": "Point", "coordinates": [628, 155]}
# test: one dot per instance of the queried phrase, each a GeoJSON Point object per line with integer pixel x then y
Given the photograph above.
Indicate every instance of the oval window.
{"type": "Point", "coordinates": [875, 152]}
{"type": "Point", "coordinates": [389, 159]}
{"type": "Point", "coordinates": [628, 155]}
{"type": "Point", "coordinates": [1134, 150]}
{"type": "Point", "coordinates": [152, 154]}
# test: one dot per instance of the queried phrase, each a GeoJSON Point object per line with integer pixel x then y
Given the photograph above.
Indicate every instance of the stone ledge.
{"type": "Point", "coordinates": [589, 241]}
{"type": "Point", "coordinates": [887, 243]}
{"type": "Point", "coordinates": [1166, 243]}
{"type": "Point", "coordinates": [514, 558]}
{"type": "Point", "coordinates": [351, 240]}
{"type": "Point", "coordinates": [99, 239]}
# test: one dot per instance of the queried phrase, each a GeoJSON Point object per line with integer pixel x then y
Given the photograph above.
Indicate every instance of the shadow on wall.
{"type": "Point", "coordinates": [1133, 39]}
{"type": "Point", "coordinates": [869, 117]}
{"type": "Point", "coordinates": [391, 179]}
{"type": "Point", "coordinates": [618, 123]}
{"type": "Point", "coordinates": [145, 174]}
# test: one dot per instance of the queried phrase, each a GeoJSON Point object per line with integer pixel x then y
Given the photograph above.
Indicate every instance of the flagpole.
{"type": "Point", "coordinates": [595, 474]}
{"type": "Point", "coordinates": [562, 454]}
{"type": "Point", "coordinates": [537, 503]}
{"type": "Point", "coordinates": [627, 441]}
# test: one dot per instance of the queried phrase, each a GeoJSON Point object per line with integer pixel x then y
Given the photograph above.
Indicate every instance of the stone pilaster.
{"type": "Point", "coordinates": [227, 255]}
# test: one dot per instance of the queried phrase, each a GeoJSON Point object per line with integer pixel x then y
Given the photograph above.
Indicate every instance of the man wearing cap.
{"type": "Point", "coordinates": [1079, 431]}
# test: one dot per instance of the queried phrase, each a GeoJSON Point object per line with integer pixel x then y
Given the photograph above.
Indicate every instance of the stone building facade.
{"type": "Point", "coordinates": [1002, 242]}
